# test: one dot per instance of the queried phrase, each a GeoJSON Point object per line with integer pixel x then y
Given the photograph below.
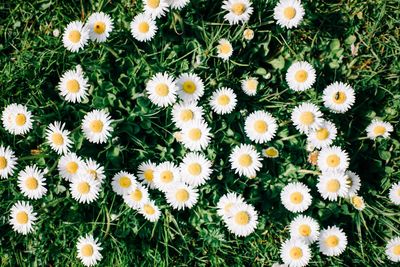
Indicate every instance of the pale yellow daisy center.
{"type": "Point", "coordinates": [57, 139]}
{"type": "Point", "coordinates": [148, 209]}
{"type": "Point", "coordinates": [93, 174]}
{"type": "Point", "coordinates": [304, 230]}
{"type": "Point", "coordinates": [332, 241]}
{"type": "Point", "coordinates": [301, 76]}
{"type": "Point", "coordinates": [332, 186]}
{"type": "Point", "coordinates": [194, 169]}
{"type": "Point", "coordinates": [228, 207]}
{"type": "Point", "coordinates": [31, 183]}
{"type": "Point", "coordinates": [87, 250]}
{"type": "Point", "coordinates": [20, 119]}
{"type": "Point", "coordinates": [296, 197]}
{"type": "Point", "coordinates": [153, 3]}
{"type": "Point", "coordinates": [124, 182]}
{"type": "Point", "coordinates": [3, 163]}
{"type": "Point", "coordinates": [167, 176]}
{"type": "Point", "coordinates": [187, 115]}
{"type": "Point", "coordinates": [245, 160]}
{"type": "Point", "coordinates": [72, 167]}
{"type": "Point", "coordinates": [339, 98]}
{"type": "Point", "coordinates": [322, 134]}
{"type": "Point", "coordinates": [357, 201]}
{"type": "Point", "coordinates": [144, 27]}
{"type": "Point", "coordinates": [223, 100]}
{"type": "Point", "coordinates": [333, 161]}
{"type": "Point", "coordinates": [96, 126]}
{"type": "Point", "coordinates": [136, 195]}
{"type": "Point", "coordinates": [260, 126]}
{"type": "Point", "coordinates": [242, 218]}
{"type": "Point", "coordinates": [296, 253]}
{"type": "Point", "coordinates": [238, 8]}
{"type": "Point", "coordinates": [148, 175]}
{"type": "Point", "coordinates": [379, 130]}
{"type": "Point", "coordinates": [189, 87]}
{"type": "Point", "coordinates": [162, 89]}
{"type": "Point", "coordinates": [83, 187]}
{"type": "Point", "coordinates": [74, 36]}
{"type": "Point", "coordinates": [307, 118]}
{"type": "Point", "coordinates": [271, 152]}
{"type": "Point", "coordinates": [99, 27]}
{"type": "Point", "coordinates": [225, 48]}
{"type": "Point", "coordinates": [182, 195]}
{"type": "Point", "coordinates": [252, 84]}
{"type": "Point", "coordinates": [195, 134]}
{"type": "Point", "coordinates": [73, 86]}
{"type": "Point", "coordinates": [289, 12]}
{"type": "Point", "coordinates": [22, 217]}
{"type": "Point", "coordinates": [396, 250]}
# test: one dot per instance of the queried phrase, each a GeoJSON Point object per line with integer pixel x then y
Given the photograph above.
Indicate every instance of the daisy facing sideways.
{"type": "Point", "coordinates": [245, 160]}
{"type": "Point", "coordinates": [58, 137]}
{"type": "Point", "coordinates": [239, 11]}
{"type": "Point", "coordinates": [379, 128]}
{"type": "Point", "coordinates": [96, 126]}
{"type": "Point", "coordinates": [300, 76]}
{"type": "Point", "coordinates": [332, 241]}
{"type": "Point", "coordinates": [143, 27]}
{"type": "Point", "coordinates": [89, 249]}
{"type": "Point", "coordinates": [243, 220]}
{"type": "Point", "coordinates": [289, 13]}
{"type": "Point", "coordinates": [270, 152]}
{"type": "Point", "coordinates": [94, 170]}
{"type": "Point", "coordinates": [75, 36]}
{"type": "Point", "coordinates": [223, 101]}
{"type": "Point", "coordinates": [8, 162]}
{"type": "Point", "coordinates": [260, 127]}
{"type": "Point", "coordinates": [22, 217]}
{"type": "Point", "coordinates": [161, 90]}
{"type": "Point", "coordinates": [31, 182]}
{"type": "Point", "coordinates": [296, 197]}
{"type": "Point", "coordinates": [17, 119]}
{"type": "Point", "coordinates": [100, 26]}
{"type": "Point", "coordinates": [73, 85]}
{"type": "Point", "coordinates": [339, 97]}
{"type": "Point", "coordinates": [295, 253]}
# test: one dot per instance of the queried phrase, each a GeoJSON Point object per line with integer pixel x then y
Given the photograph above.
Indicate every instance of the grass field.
{"type": "Point", "coordinates": [351, 41]}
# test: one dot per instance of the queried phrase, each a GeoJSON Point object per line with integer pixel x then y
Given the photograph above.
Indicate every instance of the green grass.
{"type": "Point", "coordinates": [32, 60]}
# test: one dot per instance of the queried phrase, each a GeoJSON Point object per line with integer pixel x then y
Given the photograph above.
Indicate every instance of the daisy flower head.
{"type": "Point", "coordinates": [84, 188]}
{"type": "Point", "coordinates": [123, 183]}
{"type": "Point", "coordinates": [182, 196]}
{"type": "Point", "coordinates": [166, 175]}
{"type": "Point", "coordinates": [332, 241]}
{"type": "Point", "coordinates": [306, 116]}
{"type": "Point", "coordinates": [295, 253]}
{"type": "Point", "coordinates": [96, 126]}
{"type": "Point", "coordinates": [195, 169]}
{"type": "Point", "coordinates": [354, 182]}
{"type": "Point", "coordinates": [58, 137]}
{"type": "Point", "coordinates": [323, 135]}
{"type": "Point", "coordinates": [70, 165]}
{"type": "Point", "coordinates": [17, 119]}
{"type": "Point", "coordinates": [137, 197]}
{"type": "Point", "coordinates": [393, 249]}
{"type": "Point", "coordinates": [245, 160]}
{"type": "Point", "coordinates": [379, 128]}
{"type": "Point", "coordinates": [196, 135]}
{"type": "Point", "coordinates": [146, 173]}
{"type": "Point", "coordinates": [249, 86]}
{"type": "Point", "coordinates": [8, 161]}
{"type": "Point", "coordinates": [300, 76]}
{"type": "Point", "coordinates": [89, 249]}
{"type": "Point", "coordinates": [178, 4]}
{"type": "Point", "coordinates": [248, 34]}
{"type": "Point", "coordinates": [224, 49]}
{"type": "Point", "coordinates": [191, 87]}
{"type": "Point", "coordinates": [239, 11]}
{"type": "Point", "coordinates": [223, 101]}
{"type": "Point", "coordinates": [394, 193]}
{"type": "Point", "coordinates": [32, 183]}
{"type": "Point", "coordinates": [304, 228]}
{"type": "Point", "coordinates": [296, 197]}
{"type": "Point", "coordinates": [332, 185]}
{"type": "Point", "coordinates": [100, 26]}
{"type": "Point", "coordinates": [339, 97]}
{"type": "Point", "coordinates": [260, 127]}
{"type": "Point", "coordinates": [184, 113]}
{"type": "Point", "coordinates": [150, 211]}
{"type": "Point", "coordinates": [155, 8]}
{"type": "Point", "coordinates": [358, 202]}
{"type": "Point", "coordinates": [94, 170]}
{"type": "Point", "coordinates": [75, 36]}
{"type": "Point", "coordinates": [289, 13]}
{"type": "Point", "coordinates": [333, 158]}
{"type": "Point", "coordinates": [22, 217]}
{"type": "Point", "coordinates": [270, 152]}
{"type": "Point", "coordinates": [227, 202]}
{"type": "Point", "coordinates": [162, 90]}
{"type": "Point", "coordinates": [73, 85]}
{"type": "Point", "coordinates": [243, 220]}
{"type": "Point", "coordinates": [143, 27]}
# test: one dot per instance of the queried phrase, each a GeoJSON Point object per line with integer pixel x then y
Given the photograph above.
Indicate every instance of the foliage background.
{"type": "Point", "coordinates": [32, 60]}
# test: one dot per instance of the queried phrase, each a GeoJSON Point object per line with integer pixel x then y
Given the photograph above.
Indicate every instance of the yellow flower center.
{"type": "Point", "coordinates": [223, 100]}
{"type": "Point", "coordinates": [148, 209]}
{"type": "Point", "coordinates": [93, 174]}
{"type": "Point", "coordinates": [396, 250]}
{"type": "Point", "coordinates": [238, 8]}
{"type": "Point", "coordinates": [339, 97]}
{"type": "Point", "coordinates": [322, 134]}
{"type": "Point", "coordinates": [296, 197]}
{"type": "Point", "coordinates": [144, 27]}
{"type": "Point", "coordinates": [162, 89]}
{"type": "Point", "coordinates": [307, 118]}
{"type": "Point", "coordinates": [357, 201]}
{"type": "Point", "coordinates": [252, 84]}
{"type": "Point", "coordinates": [148, 175]}
{"type": "Point", "coordinates": [242, 218]}
{"type": "Point", "coordinates": [271, 152]}
{"type": "Point", "coordinates": [136, 195]}
{"type": "Point", "coordinates": [167, 176]}
{"type": "Point", "coordinates": [245, 160]}
{"type": "Point", "coordinates": [289, 12]}
{"type": "Point", "coordinates": [3, 163]}
{"type": "Point", "coordinates": [153, 3]}
{"type": "Point", "coordinates": [22, 217]}
{"type": "Point", "coordinates": [125, 182]}
{"type": "Point", "coordinates": [296, 253]}
{"type": "Point", "coordinates": [333, 161]}
{"type": "Point", "coordinates": [99, 27]}
{"type": "Point", "coordinates": [57, 139]}
{"type": "Point", "coordinates": [333, 186]}
{"type": "Point", "coordinates": [194, 169]}
{"type": "Point", "coordinates": [301, 76]}
{"type": "Point", "coordinates": [225, 48]}
{"type": "Point", "coordinates": [31, 183]}
{"type": "Point", "coordinates": [87, 250]}
{"type": "Point", "coordinates": [73, 86]}
{"type": "Point", "coordinates": [332, 241]}
{"type": "Point", "coordinates": [72, 167]}
{"type": "Point", "coordinates": [20, 119]}
{"type": "Point", "coordinates": [189, 87]}
{"type": "Point", "coordinates": [96, 126]}
{"type": "Point", "coordinates": [304, 230]}
{"type": "Point", "coordinates": [260, 126]}
{"type": "Point", "coordinates": [195, 134]}
{"type": "Point", "coordinates": [74, 36]}
{"type": "Point", "coordinates": [182, 195]}
{"type": "Point", "coordinates": [228, 207]}
{"type": "Point", "coordinates": [379, 130]}
{"type": "Point", "coordinates": [83, 187]}
{"type": "Point", "coordinates": [186, 115]}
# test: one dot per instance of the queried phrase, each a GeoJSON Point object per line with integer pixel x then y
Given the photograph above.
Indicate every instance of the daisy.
{"type": "Point", "coordinates": [31, 182]}
{"type": "Point", "coordinates": [155, 8]}
{"type": "Point", "coordinates": [146, 173]}
{"type": "Point", "coordinates": [249, 86]}
{"type": "Point", "coordinates": [137, 197]}
{"type": "Point", "coordinates": [8, 162]}
{"type": "Point", "coordinates": [227, 202]}
{"type": "Point", "coordinates": [332, 185]}
{"type": "Point", "coordinates": [123, 183]}
{"type": "Point", "coordinates": [300, 76]}
{"type": "Point", "coordinates": [150, 211]}
{"type": "Point", "coordinates": [75, 36]}
{"type": "Point", "coordinates": [58, 137]}
{"type": "Point", "coordinates": [270, 152]}
{"type": "Point", "coordinates": [224, 49]}
{"type": "Point", "coordinates": [182, 196]}
{"type": "Point", "coordinates": [260, 127]}
{"type": "Point", "coordinates": [333, 159]}
{"type": "Point", "coordinates": [84, 189]}
{"type": "Point", "coordinates": [162, 90]}
{"type": "Point", "coordinates": [379, 128]}
{"type": "Point", "coordinates": [95, 170]}
{"type": "Point", "coordinates": [100, 26]}
{"type": "Point", "coordinates": [358, 202]}
{"type": "Point", "coordinates": [338, 97]}
{"type": "Point", "coordinates": [70, 165]}
{"type": "Point", "coordinates": [245, 160]}
{"type": "Point", "coordinates": [306, 116]}
{"type": "Point", "coordinates": [288, 13]}
{"type": "Point", "coordinates": [89, 250]}
{"type": "Point", "coordinates": [195, 169]}
{"type": "Point", "coordinates": [393, 249]}
{"type": "Point", "coordinates": [191, 87]}
{"type": "Point", "coordinates": [178, 4]}
{"type": "Point", "coordinates": [332, 241]}
{"type": "Point", "coordinates": [323, 135]}
{"type": "Point", "coordinates": [295, 253]}
{"type": "Point", "coordinates": [73, 85]}
{"type": "Point", "coordinates": [184, 113]}
{"type": "Point", "coordinates": [143, 27]}
{"type": "Point", "coordinates": [394, 193]}
{"type": "Point", "coordinates": [223, 101]}
{"type": "Point", "coordinates": [22, 217]}
{"type": "Point", "coordinates": [17, 119]}
{"type": "Point", "coordinates": [96, 126]}
{"type": "Point", "coordinates": [248, 34]}
{"type": "Point", "coordinates": [304, 228]}
{"type": "Point", "coordinates": [243, 220]}
{"type": "Point", "coordinates": [196, 135]}
{"type": "Point", "coordinates": [239, 11]}
{"type": "Point", "coordinates": [166, 175]}
{"type": "Point", "coordinates": [296, 197]}
{"type": "Point", "coordinates": [354, 183]}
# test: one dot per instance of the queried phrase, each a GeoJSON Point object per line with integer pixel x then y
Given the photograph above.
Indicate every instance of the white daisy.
{"type": "Point", "coordinates": [183, 113]}
{"type": "Point", "coordinates": [166, 175]}
{"type": "Point", "coordinates": [181, 196]}
{"type": "Point", "coordinates": [358, 202]}
{"type": "Point", "coordinates": [295, 253]}
{"type": "Point", "coordinates": [333, 159]}
{"type": "Point", "coordinates": [70, 165]}
{"type": "Point", "coordinates": [306, 116]}
{"type": "Point", "coordinates": [289, 13]}
{"type": "Point", "coordinates": [137, 197]}
{"type": "Point", "coordinates": [223, 101]}
{"type": "Point", "coordinates": [8, 162]}
{"type": "Point", "coordinates": [123, 183]}
{"type": "Point", "coordinates": [191, 87]}
{"type": "Point", "coordinates": [332, 185]}
{"type": "Point", "coordinates": [260, 126]}
{"type": "Point", "coordinates": [162, 89]}
{"type": "Point", "coordinates": [150, 211]}
{"type": "Point", "coordinates": [338, 97]}
{"type": "Point", "coordinates": [73, 85]}
{"type": "Point", "coordinates": [196, 135]}
{"type": "Point", "coordinates": [84, 188]}
{"type": "Point", "coordinates": [323, 135]}
{"type": "Point", "coordinates": [224, 49]}
{"type": "Point", "coordinates": [379, 128]}
{"type": "Point", "coordinates": [393, 249]}
{"type": "Point", "coordinates": [248, 34]}
{"type": "Point", "coordinates": [304, 228]}
{"type": "Point", "coordinates": [195, 169]}
{"type": "Point", "coordinates": [300, 76]}
{"type": "Point", "coordinates": [270, 152]}
{"type": "Point", "coordinates": [249, 86]}
{"type": "Point", "coordinates": [31, 182]}
{"type": "Point", "coordinates": [17, 119]}
{"type": "Point", "coordinates": [76, 36]}
{"type": "Point", "coordinates": [394, 193]}
{"type": "Point", "coordinates": [296, 197]}
{"type": "Point", "coordinates": [354, 183]}
{"type": "Point", "coordinates": [243, 220]}
{"type": "Point", "coordinates": [227, 202]}
{"type": "Point", "coordinates": [96, 126]}
{"type": "Point", "coordinates": [245, 160]}
{"type": "Point", "coordinates": [58, 138]}
{"type": "Point", "coordinates": [95, 170]}
{"type": "Point", "coordinates": [332, 241]}
{"type": "Point", "coordinates": [22, 217]}
{"type": "Point", "coordinates": [89, 250]}
{"type": "Point", "coordinates": [100, 26]}
{"type": "Point", "coordinates": [239, 11]}
{"type": "Point", "coordinates": [155, 8]}
{"type": "Point", "coordinates": [178, 4]}
{"type": "Point", "coordinates": [146, 173]}
{"type": "Point", "coordinates": [143, 27]}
